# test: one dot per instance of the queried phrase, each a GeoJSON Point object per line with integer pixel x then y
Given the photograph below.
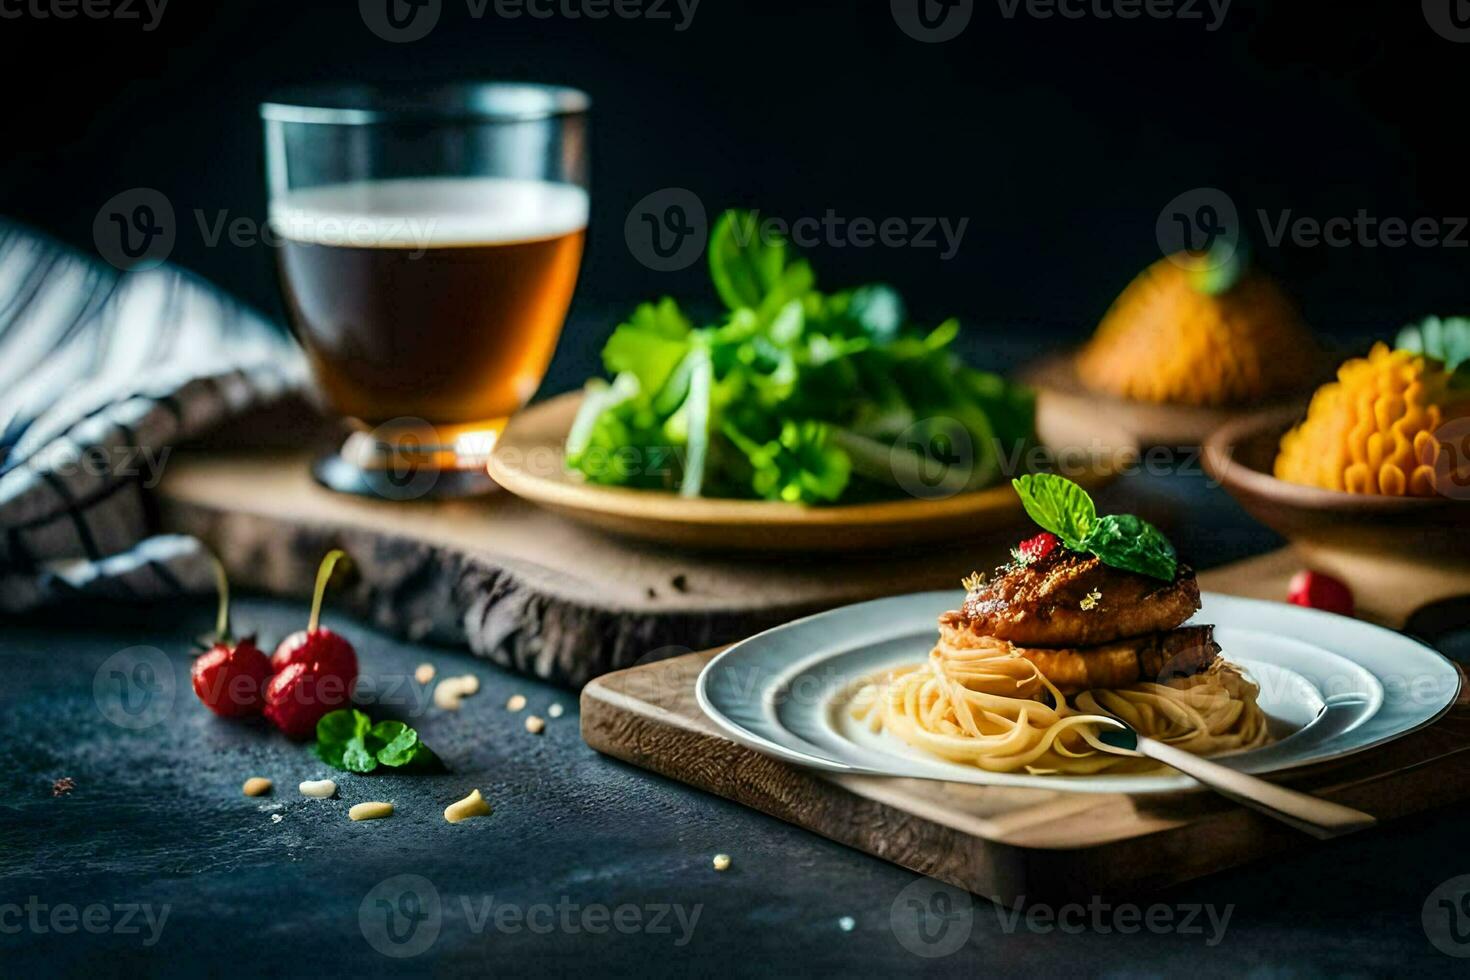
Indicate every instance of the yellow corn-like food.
{"type": "Point", "coordinates": [1163, 340]}
{"type": "Point", "coordinates": [1373, 430]}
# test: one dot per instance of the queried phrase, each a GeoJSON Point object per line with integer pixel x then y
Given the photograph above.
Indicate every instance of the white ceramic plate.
{"type": "Point", "coordinates": [784, 691]}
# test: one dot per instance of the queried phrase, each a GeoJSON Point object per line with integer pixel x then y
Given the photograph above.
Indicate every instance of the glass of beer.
{"type": "Point", "coordinates": [428, 243]}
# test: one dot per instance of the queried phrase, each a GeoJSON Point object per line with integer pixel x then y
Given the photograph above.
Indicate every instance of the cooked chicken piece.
{"type": "Point", "coordinates": [1154, 657]}
{"type": "Point", "coordinates": [1068, 599]}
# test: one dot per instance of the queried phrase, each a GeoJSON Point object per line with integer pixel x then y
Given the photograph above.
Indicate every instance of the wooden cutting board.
{"type": "Point", "coordinates": [1006, 844]}
{"type": "Point", "coordinates": [519, 585]}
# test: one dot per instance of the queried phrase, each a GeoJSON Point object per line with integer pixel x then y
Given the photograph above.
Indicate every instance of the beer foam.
{"type": "Point", "coordinates": [430, 212]}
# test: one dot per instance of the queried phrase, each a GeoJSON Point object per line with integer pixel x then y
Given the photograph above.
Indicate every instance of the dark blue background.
{"type": "Point", "coordinates": [1061, 140]}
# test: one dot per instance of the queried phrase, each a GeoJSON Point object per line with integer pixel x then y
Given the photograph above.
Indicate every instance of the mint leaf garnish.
{"type": "Point", "coordinates": [1059, 506]}
{"type": "Point", "coordinates": [1134, 545]}
{"type": "Point", "coordinates": [1118, 540]}
{"type": "Point", "coordinates": [348, 740]}
{"type": "Point", "coordinates": [399, 743]}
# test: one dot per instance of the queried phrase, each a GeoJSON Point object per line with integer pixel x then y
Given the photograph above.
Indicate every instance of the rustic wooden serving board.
{"type": "Point", "coordinates": [1006, 844]}
{"type": "Point", "coordinates": [520, 585]}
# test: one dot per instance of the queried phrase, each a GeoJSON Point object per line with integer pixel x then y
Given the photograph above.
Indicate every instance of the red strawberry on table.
{"type": "Point", "coordinates": [1317, 590]}
{"type": "Point", "coordinates": [315, 668]}
{"type": "Point", "coordinates": [230, 678]}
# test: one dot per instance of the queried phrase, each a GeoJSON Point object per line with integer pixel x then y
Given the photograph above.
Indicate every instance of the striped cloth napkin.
{"type": "Point", "coordinates": [101, 374]}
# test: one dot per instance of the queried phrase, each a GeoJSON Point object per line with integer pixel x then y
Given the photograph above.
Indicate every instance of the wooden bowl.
{"type": "Point", "coordinates": [528, 461]}
{"type": "Point", "coordinates": [1426, 532]}
{"type": "Point", "coordinates": [1152, 423]}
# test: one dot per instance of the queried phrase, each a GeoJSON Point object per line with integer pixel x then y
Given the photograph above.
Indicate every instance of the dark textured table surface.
{"type": "Point", "coordinates": [156, 861]}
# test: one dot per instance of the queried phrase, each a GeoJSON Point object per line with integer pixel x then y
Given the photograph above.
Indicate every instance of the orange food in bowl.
{"type": "Point", "coordinates": [1170, 339]}
{"type": "Point", "coordinates": [1376, 429]}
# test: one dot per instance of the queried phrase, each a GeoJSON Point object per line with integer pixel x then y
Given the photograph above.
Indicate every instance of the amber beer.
{"type": "Point", "coordinates": [430, 298]}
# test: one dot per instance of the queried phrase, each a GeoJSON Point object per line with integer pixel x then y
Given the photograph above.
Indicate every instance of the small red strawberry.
{"type": "Point", "coordinates": [298, 697]}
{"type": "Point", "coordinates": [231, 676]}
{"type": "Point", "coordinates": [1318, 591]}
{"type": "Point", "coordinates": [1037, 548]}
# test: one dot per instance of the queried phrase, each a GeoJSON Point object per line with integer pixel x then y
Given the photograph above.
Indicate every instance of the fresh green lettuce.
{"type": "Point", "coordinates": [792, 394]}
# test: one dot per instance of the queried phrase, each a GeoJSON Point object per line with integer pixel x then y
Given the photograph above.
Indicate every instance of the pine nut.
{"type": "Point", "coordinates": [319, 789]}
{"type": "Point", "coordinates": [452, 690]}
{"type": "Point", "coordinates": [516, 702]}
{"type": "Point", "coordinates": [257, 786]}
{"type": "Point", "coordinates": [473, 805]}
{"type": "Point", "coordinates": [370, 811]}
{"type": "Point", "coordinates": [722, 862]}
{"type": "Point", "coordinates": [424, 674]}
{"type": "Point", "coordinates": [534, 725]}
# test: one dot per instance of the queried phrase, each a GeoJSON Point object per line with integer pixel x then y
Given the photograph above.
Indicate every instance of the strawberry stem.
{"type": "Point", "coordinates": [323, 576]}
{"type": "Point", "coordinates": [222, 619]}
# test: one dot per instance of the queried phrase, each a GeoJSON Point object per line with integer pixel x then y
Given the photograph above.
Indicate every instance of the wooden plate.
{"type": "Point", "coordinates": [528, 462]}
{"type": "Point", "coordinates": [1174, 426]}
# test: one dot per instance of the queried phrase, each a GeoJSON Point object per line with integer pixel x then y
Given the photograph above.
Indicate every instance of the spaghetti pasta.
{"type": "Point", "coordinates": [994, 709]}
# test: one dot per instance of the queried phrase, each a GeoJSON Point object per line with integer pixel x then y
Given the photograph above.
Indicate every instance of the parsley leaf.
{"type": "Point", "coordinates": [348, 740]}
{"type": "Point", "coordinates": [791, 394]}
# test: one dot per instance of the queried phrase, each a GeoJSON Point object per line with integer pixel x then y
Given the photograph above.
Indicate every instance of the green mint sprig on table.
{"type": "Point", "coordinates": [1119, 540]}
{"type": "Point", "coordinates": [1445, 340]}
{"type": "Point", "coordinates": [348, 740]}
{"type": "Point", "coordinates": [792, 394]}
